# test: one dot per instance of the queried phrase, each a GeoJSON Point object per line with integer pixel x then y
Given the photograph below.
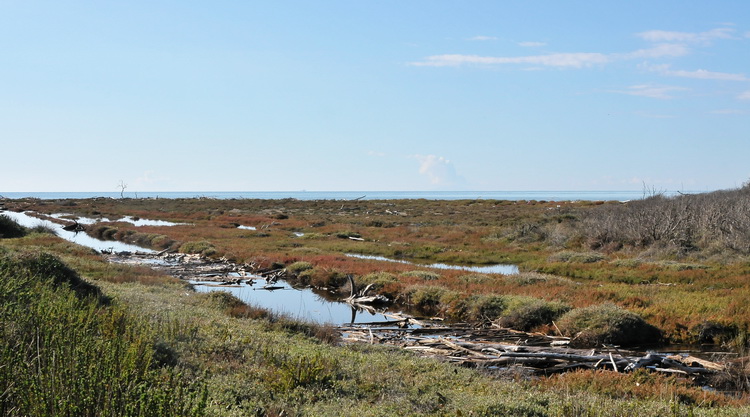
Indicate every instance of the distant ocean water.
{"type": "Point", "coordinates": [350, 195]}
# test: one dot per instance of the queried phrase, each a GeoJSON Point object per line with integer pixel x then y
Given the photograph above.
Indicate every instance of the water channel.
{"type": "Point", "coordinates": [298, 303]}
{"type": "Point", "coordinates": [485, 269]}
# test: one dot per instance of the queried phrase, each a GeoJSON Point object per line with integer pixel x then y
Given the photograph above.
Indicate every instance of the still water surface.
{"type": "Point", "coordinates": [80, 238]}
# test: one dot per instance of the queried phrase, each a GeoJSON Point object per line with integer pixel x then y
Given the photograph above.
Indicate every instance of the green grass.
{"type": "Point", "coordinates": [64, 352]}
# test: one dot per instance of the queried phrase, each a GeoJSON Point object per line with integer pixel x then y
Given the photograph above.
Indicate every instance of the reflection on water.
{"type": "Point", "coordinates": [303, 304]}
{"type": "Point", "coordinates": [80, 238]}
{"type": "Point", "coordinates": [486, 269]}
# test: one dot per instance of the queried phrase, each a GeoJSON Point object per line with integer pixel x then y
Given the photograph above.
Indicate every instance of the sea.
{"type": "Point", "coordinates": [356, 195]}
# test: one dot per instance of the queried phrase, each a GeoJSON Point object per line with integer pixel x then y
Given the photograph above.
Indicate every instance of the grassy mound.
{"type": "Point", "coordinates": [9, 228]}
{"type": "Point", "coordinates": [607, 324]}
{"type": "Point", "coordinates": [63, 353]}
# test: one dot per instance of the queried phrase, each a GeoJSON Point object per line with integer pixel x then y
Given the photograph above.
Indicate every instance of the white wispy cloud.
{"type": "Point", "coordinates": [571, 60]}
{"type": "Point", "coordinates": [744, 95]}
{"type": "Point", "coordinates": [483, 38]}
{"type": "Point", "coordinates": [532, 44]}
{"type": "Point", "coordinates": [439, 170]}
{"type": "Point", "coordinates": [658, 51]}
{"type": "Point", "coordinates": [699, 74]}
{"type": "Point", "coordinates": [666, 44]}
{"type": "Point", "coordinates": [652, 91]}
{"type": "Point", "coordinates": [690, 37]}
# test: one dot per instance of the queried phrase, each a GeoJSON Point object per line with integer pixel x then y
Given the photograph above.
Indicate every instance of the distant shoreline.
{"type": "Point", "coordinates": [351, 195]}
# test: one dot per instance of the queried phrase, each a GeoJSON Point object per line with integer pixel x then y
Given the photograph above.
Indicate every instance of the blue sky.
{"type": "Point", "coordinates": [374, 95]}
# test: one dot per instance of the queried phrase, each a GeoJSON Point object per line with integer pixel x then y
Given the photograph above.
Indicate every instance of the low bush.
{"type": "Point", "coordinates": [424, 275]}
{"type": "Point", "coordinates": [714, 332]}
{"type": "Point", "coordinates": [475, 278]}
{"type": "Point", "coordinates": [607, 324]}
{"type": "Point", "coordinates": [298, 267]}
{"type": "Point", "coordinates": [430, 298]}
{"type": "Point", "coordinates": [202, 247]}
{"type": "Point", "coordinates": [47, 268]}
{"type": "Point", "coordinates": [9, 228]}
{"type": "Point", "coordinates": [527, 313]}
{"type": "Point", "coordinates": [481, 308]}
{"type": "Point", "coordinates": [63, 353]}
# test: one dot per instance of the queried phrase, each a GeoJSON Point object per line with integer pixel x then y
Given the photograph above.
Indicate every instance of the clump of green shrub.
{"type": "Point", "coordinates": [424, 275]}
{"type": "Point", "coordinates": [348, 234]}
{"type": "Point", "coordinates": [485, 307]}
{"type": "Point", "coordinates": [64, 353]}
{"type": "Point", "coordinates": [201, 247]}
{"type": "Point", "coordinates": [9, 228]}
{"type": "Point", "coordinates": [526, 313]}
{"type": "Point", "coordinates": [430, 298]}
{"type": "Point", "coordinates": [298, 267]}
{"type": "Point", "coordinates": [607, 324]}
{"type": "Point", "coordinates": [475, 278]}
{"type": "Point", "coordinates": [714, 332]}
{"type": "Point", "coordinates": [48, 268]}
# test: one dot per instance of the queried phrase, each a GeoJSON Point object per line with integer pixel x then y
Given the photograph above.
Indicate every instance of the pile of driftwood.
{"type": "Point", "coordinates": [497, 348]}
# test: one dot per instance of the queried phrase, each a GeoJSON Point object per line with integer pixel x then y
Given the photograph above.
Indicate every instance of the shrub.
{"type": "Point", "coordinates": [10, 228]}
{"type": "Point", "coordinates": [48, 268]}
{"type": "Point", "coordinates": [607, 324]}
{"type": "Point", "coordinates": [44, 229]}
{"type": "Point", "coordinates": [202, 247]}
{"type": "Point", "coordinates": [347, 235]}
{"type": "Point", "coordinates": [475, 278]}
{"type": "Point", "coordinates": [378, 279]}
{"type": "Point", "coordinates": [430, 298]}
{"type": "Point", "coordinates": [713, 332]}
{"type": "Point", "coordinates": [298, 267]}
{"type": "Point", "coordinates": [531, 313]}
{"type": "Point", "coordinates": [485, 307]}
{"type": "Point", "coordinates": [64, 354]}
{"type": "Point", "coordinates": [424, 275]}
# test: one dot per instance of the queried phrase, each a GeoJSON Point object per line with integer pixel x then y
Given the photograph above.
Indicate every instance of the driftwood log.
{"type": "Point", "coordinates": [360, 297]}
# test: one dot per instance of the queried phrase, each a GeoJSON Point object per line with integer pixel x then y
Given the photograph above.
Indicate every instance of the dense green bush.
{"type": "Point", "coordinates": [65, 354]}
{"type": "Point", "coordinates": [607, 324]}
{"type": "Point", "coordinates": [532, 313]}
{"type": "Point", "coordinates": [297, 267]}
{"type": "Point", "coordinates": [202, 247]}
{"type": "Point", "coordinates": [424, 275]}
{"type": "Point", "coordinates": [10, 228]}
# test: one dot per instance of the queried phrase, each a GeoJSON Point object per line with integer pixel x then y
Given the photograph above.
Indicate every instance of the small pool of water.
{"type": "Point", "coordinates": [247, 227]}
{"type": "Point", "coordinates": [80, 238]}
{"type": "Point", "coordinates": [127, 219]}
{"type": "Point", "coordinates": [303, 304]}
{"type": "Point", "coordinates": [484, 269]}
{"type": "Point", "coordinates": [148, 222]}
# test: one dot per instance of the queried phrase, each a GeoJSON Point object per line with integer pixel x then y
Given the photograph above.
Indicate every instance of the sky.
{"type": "Point", "coordinates": [384, 95]}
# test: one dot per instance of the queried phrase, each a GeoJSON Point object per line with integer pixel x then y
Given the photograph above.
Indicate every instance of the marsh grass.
{"type": "Point", "coordinates": [584, 252]}
{"type": "Point", "coordinates": [273, 367]}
